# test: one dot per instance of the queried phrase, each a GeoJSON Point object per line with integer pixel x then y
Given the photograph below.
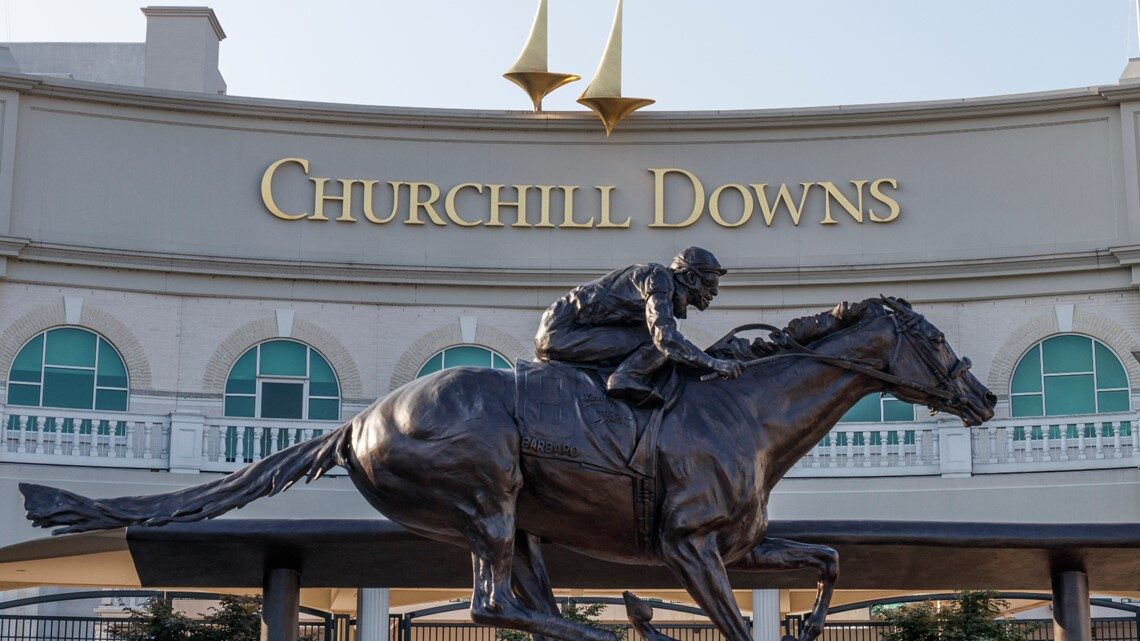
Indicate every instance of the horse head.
{"type": "Point", "coordinates": [933, 374]}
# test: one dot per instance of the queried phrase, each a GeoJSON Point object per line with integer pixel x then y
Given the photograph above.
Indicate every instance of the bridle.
{"type": "Point", "coordinates": [942, 395]}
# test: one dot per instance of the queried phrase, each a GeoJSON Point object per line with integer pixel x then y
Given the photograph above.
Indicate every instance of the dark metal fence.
{"type": "Point", "coordinates": [413, 627]}
{"type": "Point", "coordinates": [1114, 629]}
{"type": "Point", "coordinates": [15, 627]}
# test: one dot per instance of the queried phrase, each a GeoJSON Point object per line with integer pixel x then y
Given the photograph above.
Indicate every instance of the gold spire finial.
{"type": "Point", "coordinates": [530, 71]}
{"type": "Point", "coordinates": [604, 93]}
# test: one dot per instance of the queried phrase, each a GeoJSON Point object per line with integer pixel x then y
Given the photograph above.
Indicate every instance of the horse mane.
{"type": "Point", "coordinates": [805, 330]}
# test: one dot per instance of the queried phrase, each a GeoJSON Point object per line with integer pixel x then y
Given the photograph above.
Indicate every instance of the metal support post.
{"type": "Point", "coordinates": [1072, 615]}
{"type": "Point", "coordinates": [280, 605]}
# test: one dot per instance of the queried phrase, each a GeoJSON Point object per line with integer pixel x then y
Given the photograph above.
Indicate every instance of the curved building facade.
{"type": "Point", "coordinates": [191, 281]}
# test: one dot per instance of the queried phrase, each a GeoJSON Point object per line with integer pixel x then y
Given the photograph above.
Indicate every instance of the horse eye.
{"type": "Point", "coordinates": [938, 338]}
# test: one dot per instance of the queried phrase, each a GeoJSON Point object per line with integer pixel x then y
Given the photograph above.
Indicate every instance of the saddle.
{"type": "Point", "coordinates": [564, 413]}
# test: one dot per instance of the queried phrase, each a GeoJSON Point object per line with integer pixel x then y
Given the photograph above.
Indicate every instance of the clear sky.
{"type": "Point", "coordinates": [686, 54]}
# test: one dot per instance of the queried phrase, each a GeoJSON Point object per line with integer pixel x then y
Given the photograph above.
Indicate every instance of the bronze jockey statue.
{"type": "Point", "coordinates": [627, 319]}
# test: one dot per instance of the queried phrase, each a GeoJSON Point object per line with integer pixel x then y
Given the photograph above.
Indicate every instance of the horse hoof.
{"type": "Point", "coordinates": [635, 608]}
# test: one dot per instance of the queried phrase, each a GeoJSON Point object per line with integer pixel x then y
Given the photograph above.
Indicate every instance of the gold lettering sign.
{"type": "Point", "coordinates": [680, 199]}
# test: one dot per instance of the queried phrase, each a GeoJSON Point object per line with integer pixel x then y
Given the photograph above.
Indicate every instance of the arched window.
{"type": "Point", "coordinates": [1068, 374]}
{"type": "Point", "coordinates": [283, 379]}
{"type": "Point", "coordinates": [68, 367]}
{"type": "Point", "coordinates": [464, 356]}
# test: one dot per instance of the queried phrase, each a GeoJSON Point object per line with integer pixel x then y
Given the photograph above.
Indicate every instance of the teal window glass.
{"type": "Point", "coordinates": [896, 410]}
{"type": "Point", "coordinates": [876, 438]}
{"type": "Point", "coordinates": [1071, 394]}
{"type": "Point", "coordinates": [110, 372]}
{"type": "Point", "coordinates": [1018, 433]}
{"type": "Point", "coordinates": [1126, 428]}
{"type": "Point", "coordinates": [1068, 353]}
{"type": "Point", "coordinates": [241, 406]}
{"type": "Point", "coordinates": [1112, 401]}
{"type": "Point", "coordinates": [892, 438]}
{"type": "Point", "coordinates": [1030, 405]}
{"type": "Point", "coordinates": [282, 400]}
{"type": "Point", "coordinates": [23, 394]}
{"type": "Point", "coordinates": [111, 399]}
{"type": "Point", "coordinates": [879, 408]}
{"type": "Point", "coordinates": [468, 356]}
{"type": "Point", "coordinates": [841, 439]}
{"type": "Point", "coordinates": [71, 368]}
{"type": "Point", "coordinates": [1069, 374]}
{"type": "Point", "coordinates": [866, 410]}
{"type": "Point", "coordinates": [1027, 377]}
{"type": "Point", "coordinates": [433, 364]}
{"type": "Point", "coordinates": [70, 346]}
{"type": "Point", "coordinates": [322, 381]}
{"type": "Point", "coordinates": [70, 388]}
{"type": "Point", "coordinates": [29, 363]}
{"type": "Point", "coordinates": [1109, 370]}
{"type": "Point", "coordinates": [282, 379]}
{"type": "Point", "coordinates": [283, 358]}
{"type": "Point", "coordinates": [857, 439]}
{"type": "Point", "coordinates": [463, 356]}
{"type": "Point", "coordinates": [243, 376]}
{"type": "Point", "coordinates": [324, 409]}
{"type": "Point", "coordinates": [910, 437]}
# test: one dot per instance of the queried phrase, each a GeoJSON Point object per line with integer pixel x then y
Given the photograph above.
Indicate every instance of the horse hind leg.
{"type": "Point", "coordinates": [494, 601]}
{"type": "Point", "coordinates": [782, 554]}
{"type": "Point", "coordinates": [531, 583]}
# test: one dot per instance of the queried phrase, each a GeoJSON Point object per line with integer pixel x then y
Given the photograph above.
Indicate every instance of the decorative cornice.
{"type": "Point", "coordinates": [11, 246]}
{"type": "Point", "coordinates": [740, 277]}
{"type": "Point", "coordinates": [1127, 255]}
{"type": "Point", "coordinates": [1020, 104]}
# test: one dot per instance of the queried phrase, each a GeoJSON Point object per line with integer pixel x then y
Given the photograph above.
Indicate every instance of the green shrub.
{"type": "Point", "coordinates": [972, 616]}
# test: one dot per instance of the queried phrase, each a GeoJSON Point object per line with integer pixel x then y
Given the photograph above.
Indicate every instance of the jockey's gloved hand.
{"type": "Point", "coordinates": [726, 368]}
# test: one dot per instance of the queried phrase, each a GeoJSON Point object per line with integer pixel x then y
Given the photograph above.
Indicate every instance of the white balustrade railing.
{"type": "Point", "coordinates": [192, 443]}
{"type": "Point", "coordinates": [1057, 443]}
{"type": "Point", "coordinates": [874, 449]}
{"type": "Point", "coordinates": [86, 438]}
{"type": "Point", "coordinates": [230, 443]}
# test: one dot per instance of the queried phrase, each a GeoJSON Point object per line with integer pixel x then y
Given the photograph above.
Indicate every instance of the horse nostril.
{"type": "Point", "coordinates": [991, 400]}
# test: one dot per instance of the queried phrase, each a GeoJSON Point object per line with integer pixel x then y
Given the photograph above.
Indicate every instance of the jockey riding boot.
{"type": "Point", "coordinates": [630, 381]}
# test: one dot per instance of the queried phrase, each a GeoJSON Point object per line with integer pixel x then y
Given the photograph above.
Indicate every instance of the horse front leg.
{"type": "Point", "coordinates": [781, 554]}
{"type": "Point", "coordinates": [696, 562]}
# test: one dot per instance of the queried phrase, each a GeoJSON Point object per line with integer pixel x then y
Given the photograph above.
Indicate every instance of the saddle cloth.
{"type": "Point", "coordinates": [563, 413]}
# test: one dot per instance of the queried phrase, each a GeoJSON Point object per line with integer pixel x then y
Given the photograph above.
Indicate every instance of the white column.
{"type": "Point", "coordinates": [765, 615]}
{"type": "Point", "coordinates": [372, 614]}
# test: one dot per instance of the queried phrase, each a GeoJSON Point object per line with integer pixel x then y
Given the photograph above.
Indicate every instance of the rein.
{"type": "Point", "coordinates": [866, 367]}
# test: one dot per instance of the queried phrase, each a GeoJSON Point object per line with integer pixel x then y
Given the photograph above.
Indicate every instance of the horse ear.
{"type": "Point", "coordinates": [897, 305]}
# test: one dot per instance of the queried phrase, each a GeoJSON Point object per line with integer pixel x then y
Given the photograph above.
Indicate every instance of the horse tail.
{"type": "Point", "coordinates": [50, 507]}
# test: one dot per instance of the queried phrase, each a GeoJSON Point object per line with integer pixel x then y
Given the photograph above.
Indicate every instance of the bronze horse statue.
{"type": "Point", "coordinates": [441, 456]}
